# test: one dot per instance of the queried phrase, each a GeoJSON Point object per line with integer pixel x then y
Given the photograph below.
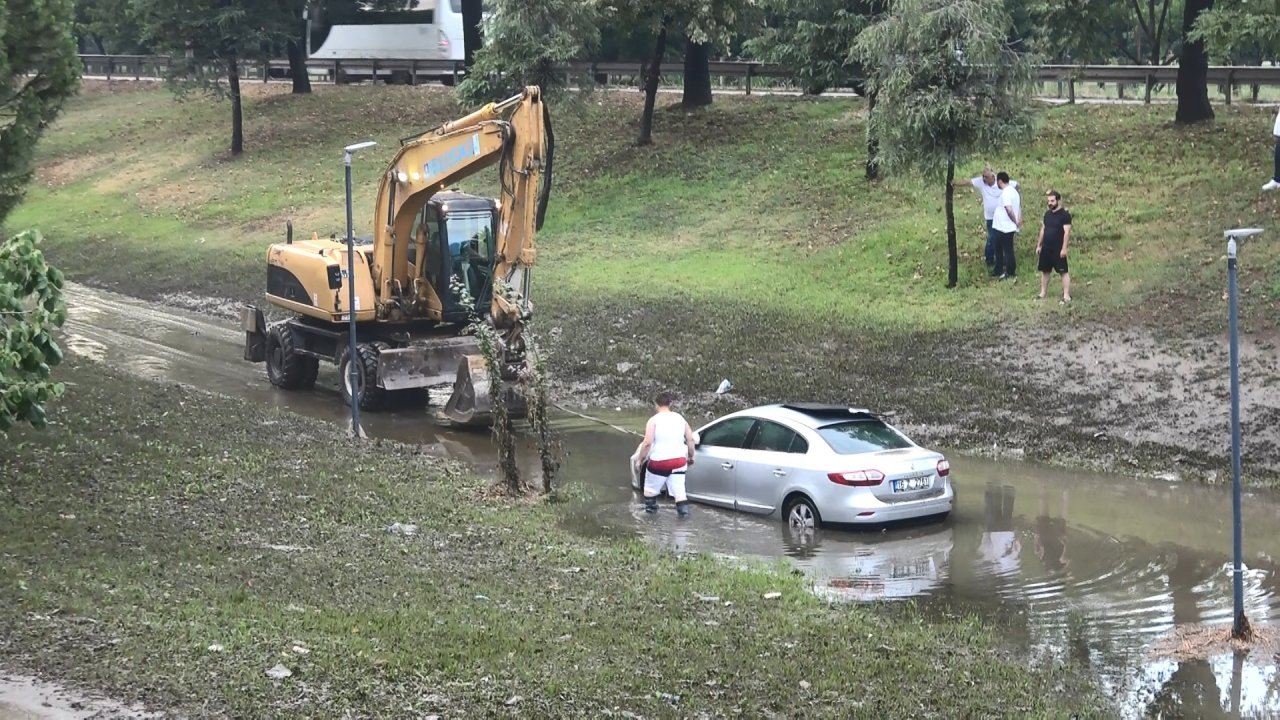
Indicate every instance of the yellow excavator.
{"type": "Point", "coordinates": [409, 316]}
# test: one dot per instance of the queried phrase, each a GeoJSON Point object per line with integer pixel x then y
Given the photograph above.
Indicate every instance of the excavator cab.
{"type": "Point", "coordinates": [460, 243]}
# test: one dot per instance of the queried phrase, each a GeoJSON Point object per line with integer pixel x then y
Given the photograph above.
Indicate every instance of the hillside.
{"type": "Point", "coordinates": [745, 244]}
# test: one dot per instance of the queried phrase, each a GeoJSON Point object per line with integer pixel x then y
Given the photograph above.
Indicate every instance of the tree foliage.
{"type": "Point", "coordinates": [525, 40]}
{"type": "Point", "coordinates": [814, 39]}
{"type": "Point", "coordinates": [1237, 27]}
{"type": "Point", "coordinates": [39, 70]}
{"type": "Point", "coordinates": [949, 86]}
{"type": "Point", "coordinates": [109, 27]}
{"type": "Point", "coordinates": [31, 307]}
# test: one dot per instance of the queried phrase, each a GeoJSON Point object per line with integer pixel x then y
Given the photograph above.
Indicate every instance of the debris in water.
{"type": "Point", "coordinates": [279, 672]}
{"type": "Point", "coordinates": [725, 386]}
{"type": "Point", "coordinates": [402, 529]}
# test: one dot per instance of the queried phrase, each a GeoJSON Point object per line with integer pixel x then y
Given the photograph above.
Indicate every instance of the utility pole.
{"type": "Point", "coordinates": [353, 357]}
{"type": "Point", "coordinates": [1240, 626]}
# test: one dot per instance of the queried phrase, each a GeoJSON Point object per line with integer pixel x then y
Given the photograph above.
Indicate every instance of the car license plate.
{"type": "Point", "coordinates": [912, 484]}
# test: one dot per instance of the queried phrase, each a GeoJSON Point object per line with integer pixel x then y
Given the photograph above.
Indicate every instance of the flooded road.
{"type": "Point", "coordinates": [1095, 569]}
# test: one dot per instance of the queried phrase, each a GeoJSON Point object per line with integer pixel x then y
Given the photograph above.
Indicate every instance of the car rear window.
{"type": "Point", "coordinates": [859, 436]}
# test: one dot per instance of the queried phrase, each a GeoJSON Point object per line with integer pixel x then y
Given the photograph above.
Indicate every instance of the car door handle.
{"type": "Point", "coordinates": [727, 466]}
{"type": "Point", "coordinates": [779, 473]}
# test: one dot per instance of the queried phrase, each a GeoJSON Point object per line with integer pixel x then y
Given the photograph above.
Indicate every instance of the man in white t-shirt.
{"type": "Point", "coordinates": [1006, 222]}
{"type": "Point", "coordinates": [1274, 182]}
{"type": "Point", "coordinates": [986, 186]}
{"type": "Point", "coordinates": [667, 452]}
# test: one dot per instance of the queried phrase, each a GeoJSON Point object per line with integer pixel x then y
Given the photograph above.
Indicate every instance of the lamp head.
{"type": "Point", "coordinates": [1241, 233]}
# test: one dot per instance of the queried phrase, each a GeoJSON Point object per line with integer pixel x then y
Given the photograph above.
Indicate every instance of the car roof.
{"type": "Point", "coordinates": [810, 415]}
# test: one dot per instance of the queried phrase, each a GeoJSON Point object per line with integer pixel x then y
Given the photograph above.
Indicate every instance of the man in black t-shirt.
{"type": "Point", "coordinates": [1051, 247]}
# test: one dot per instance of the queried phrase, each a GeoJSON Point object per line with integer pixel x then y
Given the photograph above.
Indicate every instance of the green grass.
{"type": "Point", "coordinates": [755, 200]}
{"type": "Point", "coordinates": [138, 532]}
{"type": "Point", "coordinates": [744, 242]}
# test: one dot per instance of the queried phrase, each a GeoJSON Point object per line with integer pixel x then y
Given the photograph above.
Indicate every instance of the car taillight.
{"type": "Point", "coordinates": [944, 468]}
{"type": "Point", "coordinates": [442, 40]}
{"type": "Point", "coordinates": [857, 478]}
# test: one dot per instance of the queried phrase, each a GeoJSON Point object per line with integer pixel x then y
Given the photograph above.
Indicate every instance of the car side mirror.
{"type": "Point", "coordinates": [697, 440]}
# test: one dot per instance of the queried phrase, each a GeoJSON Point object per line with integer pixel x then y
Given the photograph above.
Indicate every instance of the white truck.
{"type": "Point", "coordinates": [424, 41]}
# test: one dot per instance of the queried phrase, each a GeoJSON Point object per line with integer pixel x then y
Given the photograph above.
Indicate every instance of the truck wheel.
{"type": "Point", "coordinates": [286, 368]}
{"type": "Point", "coordinates": [371, 396]}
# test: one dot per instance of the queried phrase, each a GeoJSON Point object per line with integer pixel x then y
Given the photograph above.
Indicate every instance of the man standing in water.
{"type": "Point", "coordinates": [667, 451]}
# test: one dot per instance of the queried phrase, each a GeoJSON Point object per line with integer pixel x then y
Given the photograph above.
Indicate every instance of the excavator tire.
{"type": "Point", "coordinates": [372, 397]}
{"type": "Point", "coordinates": [286, 368]}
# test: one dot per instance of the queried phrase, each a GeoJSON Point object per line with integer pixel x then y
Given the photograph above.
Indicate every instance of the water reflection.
{"type": "Point", "coordinates": [1085, 569]}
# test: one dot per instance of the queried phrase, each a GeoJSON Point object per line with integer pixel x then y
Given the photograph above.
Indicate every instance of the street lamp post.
{"type": "Point", "coordinates": [1238, 627]}
{"type": "Point", "coordinates": [353, 358]}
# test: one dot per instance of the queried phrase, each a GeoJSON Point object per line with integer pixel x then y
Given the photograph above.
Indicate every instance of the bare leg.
{"type": "Point", "coordinates": [1066, 286]}
{"type": "Point", "coordinates": [1044, 284]}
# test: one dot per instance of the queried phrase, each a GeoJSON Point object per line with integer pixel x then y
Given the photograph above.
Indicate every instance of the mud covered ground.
{"type": "Point", "coordinates": [1145, 398]}
{"type": "Point", "coordinates": [216, 558]}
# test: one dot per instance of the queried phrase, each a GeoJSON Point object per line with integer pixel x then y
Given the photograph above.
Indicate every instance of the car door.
{"type": "Point", "coordinates": [713, 474]}
{"type": "Point", "coordinates": [766, 465]}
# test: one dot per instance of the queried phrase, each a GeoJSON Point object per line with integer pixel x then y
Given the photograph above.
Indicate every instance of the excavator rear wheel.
{"type": "Point", "coordinates": [286, 368]}
{"type": "Point", "coordinates": [372, 397]}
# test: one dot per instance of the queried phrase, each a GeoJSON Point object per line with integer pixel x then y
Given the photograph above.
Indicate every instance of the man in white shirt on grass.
{"type": "Point", "coordinates": [1274, 182]}
{"type": "Point", "coordinates": [986, 185]}
{"type": "Point", "coordinates": [1007, 221]}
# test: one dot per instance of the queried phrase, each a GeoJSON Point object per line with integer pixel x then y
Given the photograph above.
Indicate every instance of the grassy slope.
{"type": "Point", "coordinates": [753, 202]}
{"type": "Point", "coordinates": [744, 243]}
{"type": "Point", "coordinates": [134, 540]}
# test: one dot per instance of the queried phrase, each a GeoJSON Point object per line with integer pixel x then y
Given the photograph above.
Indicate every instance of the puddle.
{"type": "Point", "coordinates": [1095, 569]}
{"type": "Point", "coordinates": [25, 698]}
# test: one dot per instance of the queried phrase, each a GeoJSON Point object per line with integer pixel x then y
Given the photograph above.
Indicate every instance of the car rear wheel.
{"type": "Point", "coordinates": [800, 513]}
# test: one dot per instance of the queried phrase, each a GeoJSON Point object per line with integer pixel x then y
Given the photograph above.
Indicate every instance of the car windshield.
{"type": "Point", "coordinates": [859, 436]}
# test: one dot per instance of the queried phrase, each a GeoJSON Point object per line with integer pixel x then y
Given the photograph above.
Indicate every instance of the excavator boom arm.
{"type": "Point", "coordinates": [515, 134]}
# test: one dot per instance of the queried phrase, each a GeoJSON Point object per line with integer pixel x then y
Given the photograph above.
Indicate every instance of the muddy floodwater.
{"type": "Point", "coordinates": [1092, 569]}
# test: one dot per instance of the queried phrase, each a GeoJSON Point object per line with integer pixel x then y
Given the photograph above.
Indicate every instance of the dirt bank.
{"type": "Point", "coordinates": [1140, 400]}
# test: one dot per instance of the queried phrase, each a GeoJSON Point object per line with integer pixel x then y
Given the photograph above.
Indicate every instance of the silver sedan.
{"type": "Point", "coordinates": [813, 464]}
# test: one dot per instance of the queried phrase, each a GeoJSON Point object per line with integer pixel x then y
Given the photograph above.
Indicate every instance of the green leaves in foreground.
{"type": "Point", "coordinates": [31, 306]}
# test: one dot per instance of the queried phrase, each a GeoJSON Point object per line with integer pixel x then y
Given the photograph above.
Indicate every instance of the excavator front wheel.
{"type": "Point", "coordinates": [287, 368]}
{"type": "Point", "coordinates": [371, 396]}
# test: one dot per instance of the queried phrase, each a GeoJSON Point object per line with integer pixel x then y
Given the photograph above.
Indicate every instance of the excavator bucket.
{"type": "Point", "coordinates": [471, 404]}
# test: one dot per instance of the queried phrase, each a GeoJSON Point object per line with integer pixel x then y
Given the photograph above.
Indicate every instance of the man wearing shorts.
{"type": "Point", "coordinates": [668, 449]}
{"type": "Point", "coordinates": [1051, 247]}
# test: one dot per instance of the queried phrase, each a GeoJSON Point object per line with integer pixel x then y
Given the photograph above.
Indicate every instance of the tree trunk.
{"type": "Point", "coordinates": [298, 68]}
{"type": "Point", "coordinates": [953, 257]}
{"type": "Point", "coordinates": [651, 85]}
{"type": "Point", "coordinates": [472, 14]}
{"type": "Point", "coordinates": [697, 75]}
{"type": "Point", "coordinates": [873, 143]}
{"type": "Point", "coordinates": [237, 118]}
{"type": "Point", "coordinates": [1193, 69]}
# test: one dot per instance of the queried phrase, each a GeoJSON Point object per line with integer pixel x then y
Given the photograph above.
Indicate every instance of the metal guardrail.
{"type": "Point", "coordinates": [1225, 77]}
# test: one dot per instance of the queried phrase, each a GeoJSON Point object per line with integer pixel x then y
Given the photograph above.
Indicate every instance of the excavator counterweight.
{"type": "Point", "coordinates": [436, 260]}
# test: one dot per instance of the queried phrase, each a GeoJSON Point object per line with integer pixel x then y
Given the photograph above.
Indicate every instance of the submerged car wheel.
{"type": "Point", "coordinates": [800, 513]}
